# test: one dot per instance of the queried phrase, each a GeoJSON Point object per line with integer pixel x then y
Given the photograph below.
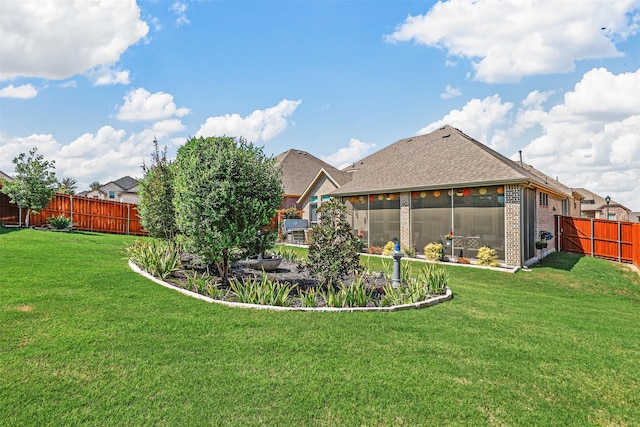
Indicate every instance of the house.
{"type": "Point", "coordinates": [418, 190]}
{"type": "Point", "coordinates": [299, 168]}
{"type": "Point", "coordinates": [5, 177]}
{"type": "Point", "coordinates": [124, 189]}
{"type": "Point", "coordinates": [596, 206]}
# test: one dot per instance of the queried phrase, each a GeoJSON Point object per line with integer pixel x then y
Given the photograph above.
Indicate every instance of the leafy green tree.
{"type": "Point", "coordinates": [95, 185]}
{"type": "Point", "coordinates": [155, 192]}
{"type": "Point", "coordinates": [67, 186]}
{"type": "Point", "coordinates": [226, 190]}
{"type": "Point", "coordinates": [34, 183]}
{"type": "Point", "coordinates": [333, 253]}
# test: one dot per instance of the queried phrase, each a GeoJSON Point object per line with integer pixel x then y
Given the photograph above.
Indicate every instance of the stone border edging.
{"type": "Point", "coordinates": [448, 295]}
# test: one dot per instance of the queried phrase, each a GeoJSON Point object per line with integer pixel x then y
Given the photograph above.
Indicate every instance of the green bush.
{"type": "Point", "coordinates": [59, 222]}
{"type": "Point", "coordinates": [434, 252]}
{"type": "Point", "coordinates": [334, 251]}
{"type": "Point", "coordinates": [262, 291]}
{"type": "Point", "coordinates": [410, 251]}
{"type": "Point", "coordinates": [158, 258]}
{"type": "Point", "coordinates": [487, 256]}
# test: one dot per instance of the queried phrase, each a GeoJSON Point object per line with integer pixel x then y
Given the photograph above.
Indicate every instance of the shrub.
{"type": "Point", "coordinates": [158, 258]}
{"type": "Point", "coordinates": [487, 256]}
{"type": "Point", "coordinates": [59, 222]}
{"type": "Point", "coordinates": [389, 248]}
{"type": "Point", "coordinates": [434, 252]}
{"type": "Point", "coordinates": [374, 250]}
{"type": "Point", "coordinates": [334, 251]}
{"type": "Point", "coordinates": [262, 291]}
{"type": "Point", "coordinates": [156, 192]}
{"type": "Point", "coordinates": [410, 251]}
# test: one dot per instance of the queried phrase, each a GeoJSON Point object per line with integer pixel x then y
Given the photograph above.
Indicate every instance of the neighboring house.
{"type": "Point", "coordinates": [595, 206]}
{"type": "Point", "coordinates": [420, 189]}
{"type": "Point", "coordinates": [124, 189]}
{"type": "Point", "coordinates": [4, 176]}
{"type": "Point", "coordinates": [299, 168]}
{"type": "Point", "coordinates": [634, 217]}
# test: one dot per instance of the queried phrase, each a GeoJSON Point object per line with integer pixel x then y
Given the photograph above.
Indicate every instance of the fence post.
{"type": "Point", "coordinates": [592, 238]}
{"type": "Point", "coordinates": [71, 207]}
{"type": "Point", "coordinates": [128, 217]}
{"type": "Point", "coordinates": [619, 241]}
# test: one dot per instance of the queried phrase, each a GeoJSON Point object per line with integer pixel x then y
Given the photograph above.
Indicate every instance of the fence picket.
{"type": "Point", "coordinates": [87, 214]}
{"type": "Point", "coordinates": [602, 238]}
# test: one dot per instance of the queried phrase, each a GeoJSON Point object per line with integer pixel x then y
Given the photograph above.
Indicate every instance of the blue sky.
{"type": "Point", "coordinates": [91, 84]}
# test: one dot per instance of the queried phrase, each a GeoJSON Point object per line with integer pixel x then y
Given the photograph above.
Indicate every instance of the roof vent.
{"type": "Point", "coordinates": [410, 139]}
{"type": "Point", "coordinates": [446, 136]}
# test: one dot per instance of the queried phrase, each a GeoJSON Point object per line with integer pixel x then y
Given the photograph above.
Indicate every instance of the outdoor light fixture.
{"type": "Point", "coordinates": [608, 200]}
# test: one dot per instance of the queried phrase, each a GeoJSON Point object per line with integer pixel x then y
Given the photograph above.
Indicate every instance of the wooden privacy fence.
{"type": "Point", "coordinates": [602, 238]}
{"type": "Point", "coordinates": [87, 214]}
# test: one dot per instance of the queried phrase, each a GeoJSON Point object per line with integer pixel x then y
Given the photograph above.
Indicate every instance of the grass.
{"type": "Point", "coordinates": [83, 340]}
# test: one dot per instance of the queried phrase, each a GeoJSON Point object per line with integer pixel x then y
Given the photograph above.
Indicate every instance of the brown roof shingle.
{"type": "Point", "coordinates": [299, 168]}
{"type": "Point", "coordinates": [443, 158]}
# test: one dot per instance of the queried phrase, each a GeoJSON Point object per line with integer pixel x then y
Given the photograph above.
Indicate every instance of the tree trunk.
{"type": "Point", "coordinates": [225, 266]}
{"type": "Point", "coordinates": [26, 219]}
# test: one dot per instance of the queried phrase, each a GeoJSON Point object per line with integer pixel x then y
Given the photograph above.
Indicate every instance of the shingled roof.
{"type": "Point", "coordinates": [443, 158]}
{"type": "Point", "coordinates": [5, 176]}
{"type": "Point", "coordinates": [126, 182]}
{"type": "Point", "coordinates": [299, 168]}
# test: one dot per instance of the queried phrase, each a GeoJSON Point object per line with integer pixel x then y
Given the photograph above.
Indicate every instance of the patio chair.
{"type": "Point", "coordinates": [473, 244]}
{"type": "Point", "coordinates": [458, 245]}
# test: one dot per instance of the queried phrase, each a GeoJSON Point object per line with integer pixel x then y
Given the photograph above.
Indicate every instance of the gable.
{"type": "Point", "coordinates": [299, 168]}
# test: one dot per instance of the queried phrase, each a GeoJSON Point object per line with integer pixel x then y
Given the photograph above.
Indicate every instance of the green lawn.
{"type": "Point", "coordinates": [83, 340]}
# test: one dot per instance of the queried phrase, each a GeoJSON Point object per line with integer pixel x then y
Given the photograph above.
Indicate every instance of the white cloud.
{"type": "Point", "coordinates": [347, 155]}
{"type": "Point", "coordinates": [168, 127]}
{"type": "Point", "coordinates": [62, 38]}
{"type": "Point", "coordinates": [69, 83]}
{"type": "Point", "coordinates": [108, 75]}
{"type": "Point", "coordinates": [592, 138]}
{"type": "Point", "coordinates": [141, 105]}
{"type": "Point", "coordinates": [450, 92]}
{"type": "Point", "coordinates": [478, 118]}
{"type": "Point", "coordinates": [511, 39]}
{"type": "Point", "coordinates": [103, 156]}
{"type": "Point", "coordinates": [22, 92]}
{"type": "Point", "coordinates": [259, 125]}
{"type": "Point", "coordinates": [180, 9]}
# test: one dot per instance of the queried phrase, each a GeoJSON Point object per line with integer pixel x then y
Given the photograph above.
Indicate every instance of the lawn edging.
{"type": "Point", "coordinates": [448, 295]}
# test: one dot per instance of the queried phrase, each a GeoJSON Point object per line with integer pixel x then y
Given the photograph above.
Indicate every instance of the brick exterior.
{"type": "Point", "coordinates": [512, 224]}
{"type": "Point", "coordinates": [545, 216]}
{"type": "Point", "coordinates": [290, 201]}
{"type": "Point", "coordinates": [405, 219]}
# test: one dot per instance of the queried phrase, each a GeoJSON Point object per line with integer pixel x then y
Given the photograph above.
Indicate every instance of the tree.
{"type": "Point", "coordinates": [333, 253]}
{"type": "Point", "coordinates": [34, 182]}
{"type": "Point", "coordinates": [155, 192]}
{"type": "Point", "coordinates": [67, 186]}
{"type": "Point", "coordinates": [226, 190]}
{"type": "Point", "coordinates": [95, 185]}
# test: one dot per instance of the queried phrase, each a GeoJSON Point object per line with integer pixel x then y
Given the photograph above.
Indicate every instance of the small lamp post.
{"type": "Point", "coordinates": [608, 200]}
{"type": "Point", "coordinates": [396, 266]}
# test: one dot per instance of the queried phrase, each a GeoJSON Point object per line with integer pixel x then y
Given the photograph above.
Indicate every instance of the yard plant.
{"type": "Point", "coordinates": [86, 341]}
{"type": "Point", "coordinates": [226, 191]}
